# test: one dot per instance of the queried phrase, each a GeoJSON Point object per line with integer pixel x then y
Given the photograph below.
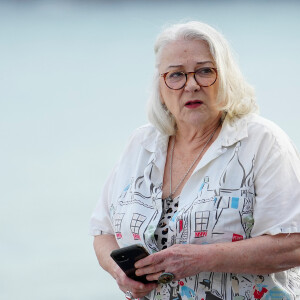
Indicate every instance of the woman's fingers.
{"type": "Point", "coordinates": [180, 260]}
{"type": "Point", "coordinates": [141, 293]}
{"type": "Point", "coordinates": [152, 259]}
{"type": "Point", "coordinates": [154, 276]}
{"type": "Point", "coordinates": [150, 270]}
{"type": "Point", "coordinates": [138, 289]}
{"type": "Point", "coordinates": [151, 264]}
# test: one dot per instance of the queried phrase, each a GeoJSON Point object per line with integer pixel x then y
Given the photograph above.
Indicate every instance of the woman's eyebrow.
{"type": "Point", "coordinates": [198, 63]}
{"type": "Point", "coordinates": [175, 66]}
{"type": "Point", "coordinates": [205, 62]}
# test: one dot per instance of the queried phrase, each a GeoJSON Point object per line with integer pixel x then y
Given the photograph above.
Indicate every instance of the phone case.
{"type": "Point", "coordinates": [126, 258]}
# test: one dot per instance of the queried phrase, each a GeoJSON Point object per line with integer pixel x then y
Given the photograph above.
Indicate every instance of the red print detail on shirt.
{"type": "Point", "coordinates": [237, 237]}
{"type": "Point", "coordinates": [118, 235]}
{"type": "Point", "coordinates": [200, 234]}
{"type": "Point", "coordinates": [259, 294]}
{"type": "Point", "coordinates": [180, 225]}
{"type": "Point", "coordinates": [136, 236]}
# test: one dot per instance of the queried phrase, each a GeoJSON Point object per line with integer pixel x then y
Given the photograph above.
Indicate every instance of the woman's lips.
{"type": "Point", "coordinates": [193, 104]}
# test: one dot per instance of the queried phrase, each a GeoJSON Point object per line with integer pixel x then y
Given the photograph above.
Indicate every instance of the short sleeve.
{"type": "Point", "coordinates": [277, 187]}
{"type": "Point", "coordinates": [100, 222]}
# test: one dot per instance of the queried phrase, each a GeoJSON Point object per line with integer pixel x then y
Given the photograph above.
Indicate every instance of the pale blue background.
{"type": "Point", "coordinates": [65, 117]}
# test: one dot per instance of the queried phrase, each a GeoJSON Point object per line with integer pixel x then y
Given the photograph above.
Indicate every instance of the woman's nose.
{"type": "Point", "coordinates": [191, 84]}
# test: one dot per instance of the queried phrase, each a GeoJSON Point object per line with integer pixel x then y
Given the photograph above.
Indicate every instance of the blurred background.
{"type": "Point", "coordinates": [74, 82]}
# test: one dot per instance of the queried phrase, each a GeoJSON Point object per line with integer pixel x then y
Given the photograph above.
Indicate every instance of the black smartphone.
{"type": "Point", "coordinates": [126, 257]}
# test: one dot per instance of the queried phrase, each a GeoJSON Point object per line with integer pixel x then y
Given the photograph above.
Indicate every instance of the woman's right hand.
{"type": "Point", "coordinates": [137, 289]}
{"type": "Point", "coordinates": [104, 245]}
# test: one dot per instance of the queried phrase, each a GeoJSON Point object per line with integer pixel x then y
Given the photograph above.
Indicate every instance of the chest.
{"type": "Point", "coordinates": [180, 164]}
{"type": "Point", "coordinates": [216, 203]}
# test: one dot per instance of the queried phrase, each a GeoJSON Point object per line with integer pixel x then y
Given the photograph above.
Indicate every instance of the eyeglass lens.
{"type": "Point", "coordinates": [204, 77]}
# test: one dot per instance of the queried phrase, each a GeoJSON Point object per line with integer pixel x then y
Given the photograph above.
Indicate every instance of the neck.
{"type": "Point", "coordinates": [197, 136]}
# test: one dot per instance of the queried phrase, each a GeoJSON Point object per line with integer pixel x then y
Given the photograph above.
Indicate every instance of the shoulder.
{"type": "Point", "coordinates": [257, 123]}
{"type": "Point", "coordinates": [265, 132]}
{"type": "Point", "coordinates": [144, 132]}
{"type": "Point", "coordinates": [146, 138]}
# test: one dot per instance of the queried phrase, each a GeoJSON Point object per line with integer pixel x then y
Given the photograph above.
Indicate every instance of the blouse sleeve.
{"type": "Point", "coordinates": [100, 222]}
{"type": "Point", "coordinates": [277, 187]}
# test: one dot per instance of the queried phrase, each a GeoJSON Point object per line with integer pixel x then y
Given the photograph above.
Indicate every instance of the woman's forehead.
{"type": "Point", "coordinates": [183, 52]}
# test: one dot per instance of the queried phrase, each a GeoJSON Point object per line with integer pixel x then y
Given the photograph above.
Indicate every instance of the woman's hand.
{"type": "Point", "coordinates": [259, 255]}
{"type": "Point", "coordinates": [181, 260]}
{"type": "Point", "coordinates": [137, 289]}
{"type": "Point", "coordinates": [104, 245]}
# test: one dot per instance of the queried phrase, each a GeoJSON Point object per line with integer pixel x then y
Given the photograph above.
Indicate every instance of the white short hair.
{"type": "Point", "coordinates": [235, 95]}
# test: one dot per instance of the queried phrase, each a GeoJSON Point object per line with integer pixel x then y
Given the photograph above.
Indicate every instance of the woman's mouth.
{"type": "Point", "coordinates": [193, 104]}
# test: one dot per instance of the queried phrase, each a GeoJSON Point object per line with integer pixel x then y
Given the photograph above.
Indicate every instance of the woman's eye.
{"type": "Point", "coordinates": [175, 75]}
{"type": "Point", "coordinates": [205, 71]}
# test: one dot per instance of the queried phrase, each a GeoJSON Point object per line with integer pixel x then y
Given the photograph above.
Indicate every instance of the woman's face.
{"type": "Point", "coordinates": [192, 105]}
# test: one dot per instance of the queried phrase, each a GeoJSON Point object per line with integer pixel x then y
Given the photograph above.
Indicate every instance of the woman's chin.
{"type": "Point", "coordinates": [197, 120]}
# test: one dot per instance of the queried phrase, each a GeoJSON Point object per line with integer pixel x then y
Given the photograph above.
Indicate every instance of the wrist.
{"type": "Point", "coordinates": [207, 257]}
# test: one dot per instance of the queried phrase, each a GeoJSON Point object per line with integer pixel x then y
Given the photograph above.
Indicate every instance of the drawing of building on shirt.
{"type": "Point", "coordinates": [201, 223]}
{"type": "Point", "coordinates": [117, 224]}
{"type": "Point", "coordinates": [139, 192]}
{"type": "Point", "coordinates": [185, 229]}
{"type": "Point", "coordinates": [234, 200]}
{"type": "Point", "coordinates": [135, 225]}
{"type": "Point", "coordinates": [222, 213]}
{"type": "Point", "coordinates": [134, 193]}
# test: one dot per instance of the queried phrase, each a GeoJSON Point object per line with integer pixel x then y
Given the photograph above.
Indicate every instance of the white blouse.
{"type": "Point", "coordinates": [247, 184]}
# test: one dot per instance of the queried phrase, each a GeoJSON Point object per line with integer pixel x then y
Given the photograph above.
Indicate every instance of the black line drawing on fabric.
{"type": "Point", "coordinates": [149, 231]}
{"type": "Point", "coordinates": [246, 213]}
{"type": "Point", "coordinates": [174, 291]}
{"type": "Point", "coordinates": [227, 196]}
{"type": "Point", "coordinates": [294, 279]}
{"type": "Point", "coordinates": [162, 292]}
{"type": "Point", "coordinates": [134, 193]}
{"type": "Point", "coordinates": [117, 225]}
{"type": "Point", "coordinates": [140, 191]}
{"type": "Point", "coordinates": [135, 225]}
{"type": "Point", "coordinates": [185, 230]}
{"type": "Point", "coordinates": [201, 223]}
{"type": "Point", "coordinates": [235, 167]}
{"type": "Point", "coordinates": [235, 287]}
{"type": "Point", "coordinates": [155, 196]}
{"type": "Point", "coordinates": [210, 292]}
{"type": "Point", "coordinates": [220, 203]}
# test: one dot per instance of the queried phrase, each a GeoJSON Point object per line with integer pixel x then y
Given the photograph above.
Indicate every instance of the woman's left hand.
{"type": "Point", "coordinates": [259, 255]}
{"type": "Point", "coordinates": [181, 260]}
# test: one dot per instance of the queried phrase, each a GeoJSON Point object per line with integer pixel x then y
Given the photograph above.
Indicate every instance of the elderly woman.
{"type": "Point", "coordinates": [210, 189]}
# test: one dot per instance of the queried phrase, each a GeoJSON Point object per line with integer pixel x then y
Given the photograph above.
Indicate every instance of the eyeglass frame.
{"type": "Point", "coordinates": [164, 75]}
